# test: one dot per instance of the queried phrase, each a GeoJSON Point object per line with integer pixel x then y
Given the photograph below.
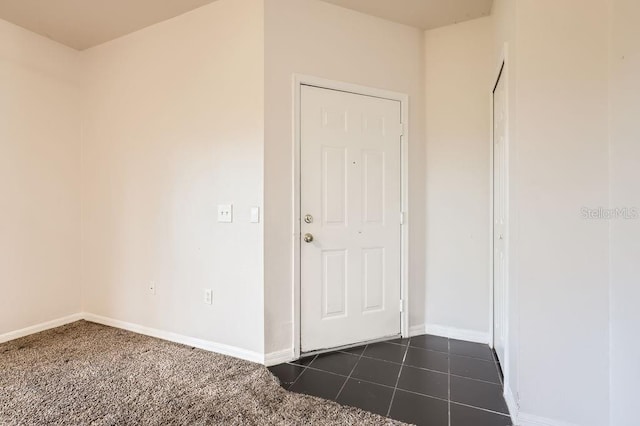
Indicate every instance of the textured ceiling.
{"type": "Point", "coordinates": [85, 23]}
{"type": "Point", "coordinates": [425, 14]}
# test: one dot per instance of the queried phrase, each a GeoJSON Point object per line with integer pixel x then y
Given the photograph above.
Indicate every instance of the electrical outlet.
{"type": "Point", "coordinates": [225, 213]}
{"type": "Point", "coordinates": [152, 288]}
{"type": "Point", "coordinates": [208, 296]}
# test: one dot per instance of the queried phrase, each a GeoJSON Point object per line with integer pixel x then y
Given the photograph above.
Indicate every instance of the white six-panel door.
{"type": "Point", "coordinates": [350, 201]}
{"type": "Point", "coordinates": [499, 217]}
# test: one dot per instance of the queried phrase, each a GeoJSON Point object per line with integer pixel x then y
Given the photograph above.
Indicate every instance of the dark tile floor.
{"type": "Point", "coordinates": [425, 380]}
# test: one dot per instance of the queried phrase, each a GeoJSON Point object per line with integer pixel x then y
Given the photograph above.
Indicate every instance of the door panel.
{"type": "Point", "coordinates": [334, 280]}
{"type": "Point", "coordinates": [373, 187]}
{"type": "Point", "coordinates": [334, 185]}
{"type": "Point", "coordinates": [351, 191]}
{"type": "Point", "coordinates": [499, 218]}
{"type": "Point", "coordinates": [373, 278]}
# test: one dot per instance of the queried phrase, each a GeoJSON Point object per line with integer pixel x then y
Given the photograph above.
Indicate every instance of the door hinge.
{"type": "Point", "coordinates": [401, 129]}
{"type": "Point", "coordinates": [402, 218]}
{"type": "Point", "coordinates": [401, 305]}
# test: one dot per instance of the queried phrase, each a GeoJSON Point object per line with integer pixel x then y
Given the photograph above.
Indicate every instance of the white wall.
{"type": "Point", "coordinates": [39, 180]}
{"type": "Point", "coordinates": [625, 234]}
{"type": "Point", "coordinates": [563, 166]}
{"type": "Point", "coordinates": [460, 72]}
{"type": "Point", "coordinates": [173, 127]}
{"type": "Point", "coordinates": [559, 161]}
{"type": "Point", "coordinates": [315, 38]}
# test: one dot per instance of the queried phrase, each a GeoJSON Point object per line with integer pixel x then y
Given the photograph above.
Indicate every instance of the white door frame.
{"type": "Point", "coordinates": [502, 72]}
{"type": "Point", "coordinates": [305, 80]}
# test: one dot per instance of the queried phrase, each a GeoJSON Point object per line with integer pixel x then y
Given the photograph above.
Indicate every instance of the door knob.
{"type": "Point", "coordinates": [308, 238]}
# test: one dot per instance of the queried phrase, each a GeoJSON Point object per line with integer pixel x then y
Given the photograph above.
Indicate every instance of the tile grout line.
{"type": "Point", "coordinates": [308, 367]}
{"type": "Point", "coordinates": [435, 371]}
{"type": "Point", "coordinates": [304, 368]}
{"type": "Point", "coordinates": [379, 384]}
{"type": "Point", "coordinates": [402, 365]}
{"type": "Point", "coordinates": [351, 372]}
{"type": "Point", "coordinates": [476, 380]}
{"type": "Point", "coordinates": [477, 358]}
{"type": "Point", "coordinates": [496, 361]}
{"type": "Point", "coordinates": [449, 381]}
{"type": "Point", "coordinates": [411, 392]}
{"type": "Point", "coordinates": [473, 357]}
{"type": "Point", "coordinates": [489, 382]}
{"type": "Point", "coordinates": [395, 388]}
{"type": "Point", "coordinates": [480, 408]}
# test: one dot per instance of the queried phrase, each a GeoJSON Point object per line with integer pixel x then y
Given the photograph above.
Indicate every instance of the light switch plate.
{"type": "Point", "coordinates": [208, 296]}
{"type": "Point", "coordinates": [225, 213]}
{"type": "Point", "coordinates": [255, 215]}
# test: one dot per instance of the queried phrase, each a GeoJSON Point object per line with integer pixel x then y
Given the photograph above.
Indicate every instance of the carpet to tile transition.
{"type": "Point", "coordinates": [89, 374]}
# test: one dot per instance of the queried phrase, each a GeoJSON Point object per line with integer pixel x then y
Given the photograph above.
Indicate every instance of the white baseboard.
{"type": "Point", "coordinates": [179, 338]}
{"type": "Point", "coordinates": [416, 330]}
{"type": "Point", "coordinates": [525, 419]}
{"type": "Point", "coordinates": [512, 405]}
{"type": "Point", "coordinates": [458, 333]}
{"type": "Point", "coordinates": [279, 357]}
{"type": "Point", "coordinates": [39, 327]}
{"type": "Point", "coordinates": [147, 331]}
{"type": "Point", "coordinates": [519, 418]}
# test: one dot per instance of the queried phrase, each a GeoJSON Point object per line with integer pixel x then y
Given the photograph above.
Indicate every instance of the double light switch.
{"type": "Point", "coordinates": [225, 214]}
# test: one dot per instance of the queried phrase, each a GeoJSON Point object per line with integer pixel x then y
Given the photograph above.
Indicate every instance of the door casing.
{"type": "Point", "coordinates": [300, 80]}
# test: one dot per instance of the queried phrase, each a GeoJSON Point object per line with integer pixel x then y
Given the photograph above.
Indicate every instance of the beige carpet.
{"type": "Point", "coordinates": [89, 374]}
